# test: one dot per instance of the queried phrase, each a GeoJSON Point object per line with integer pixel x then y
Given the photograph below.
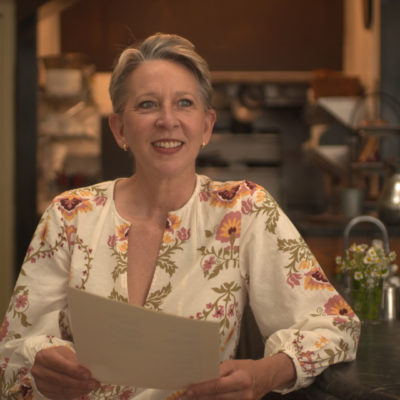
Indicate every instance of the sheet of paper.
{"type": "Point", "coordinates": [128, 345]}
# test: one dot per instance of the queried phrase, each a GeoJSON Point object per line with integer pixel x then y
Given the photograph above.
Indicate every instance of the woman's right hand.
{"type": "Point", "coordinates": [58, 375]}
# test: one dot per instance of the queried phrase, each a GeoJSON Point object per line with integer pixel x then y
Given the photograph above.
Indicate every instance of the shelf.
{"type": "Point", "coordinates": [64, 137]}
{"type": "Point", "coordinates": [341, 108]}
{"type": "Point", "coordinates": [286, 77]}
{"type": "Point", "coordinates": [379, 130]}
{"type": "Point", "coordinates": [234, 148]}
{"type": "Point", "coordinates": [62, 99]}
{"type": "Point", "coordinates": [368, 166]}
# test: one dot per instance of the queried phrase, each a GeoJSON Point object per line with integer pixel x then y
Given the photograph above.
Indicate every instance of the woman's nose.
{"type": "Point", "coordinates": [167, 118]}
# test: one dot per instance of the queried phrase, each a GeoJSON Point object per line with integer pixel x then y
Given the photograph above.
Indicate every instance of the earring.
{"type": "Point", "coordinates": [203, 145]}
{"type": "Point", "coordinates": [125, 147]}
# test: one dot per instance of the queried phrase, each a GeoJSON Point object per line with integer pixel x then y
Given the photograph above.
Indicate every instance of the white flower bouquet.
{"type": "Point", "coordinates": [366, 266]}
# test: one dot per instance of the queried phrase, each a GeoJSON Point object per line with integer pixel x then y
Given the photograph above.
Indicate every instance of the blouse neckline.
{"type": "Point", "coordinates": [177, 211]}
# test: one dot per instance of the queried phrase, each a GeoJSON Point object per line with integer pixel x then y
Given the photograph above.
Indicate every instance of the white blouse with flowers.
{"type": "Point", "coordinates": [228, 245]}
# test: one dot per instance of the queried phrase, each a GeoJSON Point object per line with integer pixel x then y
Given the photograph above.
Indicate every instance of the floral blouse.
{"type": "Point", "coordinates": [228, 245]}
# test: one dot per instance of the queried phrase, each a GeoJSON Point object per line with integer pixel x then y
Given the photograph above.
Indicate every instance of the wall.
{"type": "Point", "coordinates": [48, 27]}
{"type": "Point", "coordinates": [48, 31]}
{"type": "Point", "coordinates": [361, 49]}
{"type": "Point", "coordinates": [7, 132]}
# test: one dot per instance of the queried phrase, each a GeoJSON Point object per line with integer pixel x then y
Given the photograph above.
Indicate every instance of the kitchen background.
{"type": "Point", "coordinates": [292, 81]}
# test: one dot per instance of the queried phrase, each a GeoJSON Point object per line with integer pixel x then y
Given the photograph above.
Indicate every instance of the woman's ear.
{"type": "Point", "coordinates": [117, 128]}
{"type": "Point", "coordinates": [210, 118]}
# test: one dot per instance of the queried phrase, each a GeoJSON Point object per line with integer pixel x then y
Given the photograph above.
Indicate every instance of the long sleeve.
{"type": "Point", "coordinates": [297, 310]}
{"type": "Point", "coordinates": [230, 241]}
{"type": "Point", "coordinates": [36, 317]}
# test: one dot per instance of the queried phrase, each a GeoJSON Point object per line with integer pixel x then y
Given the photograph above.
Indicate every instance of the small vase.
{"type": "Point", "coordinates": [366, 300]}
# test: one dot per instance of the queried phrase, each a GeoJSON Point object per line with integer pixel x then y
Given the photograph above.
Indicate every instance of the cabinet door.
{"type": "Point", "coordinates": [232, 35]}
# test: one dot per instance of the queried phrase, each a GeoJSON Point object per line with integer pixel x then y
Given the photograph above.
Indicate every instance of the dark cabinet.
{"type": "Point", "coordinates": [231, 34]}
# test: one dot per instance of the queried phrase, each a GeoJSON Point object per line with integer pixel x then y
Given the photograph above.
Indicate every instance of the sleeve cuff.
{"type": "Point", "coordinates": [302, 380]}
{"type": "Point", "coordinates": [33, 345]}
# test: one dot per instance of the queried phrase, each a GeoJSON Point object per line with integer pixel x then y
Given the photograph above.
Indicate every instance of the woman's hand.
{"type": "Point", "coordinates": [58, 375]}
{"type": "Point", "coordinates": [245, 379]}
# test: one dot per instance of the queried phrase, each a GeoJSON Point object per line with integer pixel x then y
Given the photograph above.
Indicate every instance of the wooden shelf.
{"type": "Point", "coordinates": [379, 130]}
{"type": "Point", "coordinates": [300, 77]}
{"type": "Point", "coordinates": [55, 137]}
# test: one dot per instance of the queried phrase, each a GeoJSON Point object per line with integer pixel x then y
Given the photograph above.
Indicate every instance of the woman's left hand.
{"type": "Point", "coordinates": [245, 379]}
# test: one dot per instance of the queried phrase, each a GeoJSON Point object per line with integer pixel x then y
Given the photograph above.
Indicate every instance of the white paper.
{"type": "Point", "coordinates": [128, 345]}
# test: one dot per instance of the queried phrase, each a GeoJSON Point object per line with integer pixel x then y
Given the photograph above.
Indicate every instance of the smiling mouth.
{"type": "Point", "coordinates": [167, 144]}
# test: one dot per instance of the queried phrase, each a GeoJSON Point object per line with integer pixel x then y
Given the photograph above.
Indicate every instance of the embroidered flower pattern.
{"type": "Point", "coordinates": [338, 306]}
{"type": "Point", "coordinates": [4, 328]}
{"type": "Point", "coordinates": [200, 253]}
{"type": "Point", "coordinates": [316, 279]}
{"type": "Point", "coordinates": [344, 316]}
{"type": "Point", "coordinates": [114, 295]}
{"type": "Point", "coordinates": [319, 344]}
{"type": "Point", "coordinates": [214, 259]}
{"type": "Point", "coordinates": [264, 206]}
{"type": "Point", "coordinates": [118, 243]}
{"type": "Point", "coordinates": [19, 382]}
{"type": "Point", "coordinates": [154, 299]}
{"type": "Point", "coordinates": [73, 204]}
{"type": "Point", "coordinates": [229, 229]}
{"type": "Point", "coordinates": [173, 239]}
{"type": "Point", "coordinates": [70, 232]}
{"type": "Point", "coordinates": [176, 395]}
{"type": "Point", "coordinates": [225, 196]}
{"type": "Point", "coordinates": [45, 249]}
{"type": "Point", "coordinates": [303, 266]}
{"type": "Point", "coordinates": [223, 308]}
{"type": "Point", "coordinates": [315, 357]}
{"type": "Point", "coordinates": [79, 200]}
{"type": "Point", "coordinates": [44, 231]}
{"type": "Point", "coordinates": [19, 305]}
{"type": "Point", "coordinates": [208, 263]}
{"type": "Point", "coordinates": [21, 302]}
{"type": "Point", "coordinates": [114, 392]}
{"type": "Point", "coordinates": [87, 261]}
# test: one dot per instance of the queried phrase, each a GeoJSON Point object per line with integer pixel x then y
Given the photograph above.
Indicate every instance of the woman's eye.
{"type": "Point", "coordinates": [146, 104]}
{"type": "Point", "coordinates": [185, 102]}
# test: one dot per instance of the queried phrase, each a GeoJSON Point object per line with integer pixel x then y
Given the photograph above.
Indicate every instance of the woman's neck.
{"type": "Point", "coordinates": [141, 198]}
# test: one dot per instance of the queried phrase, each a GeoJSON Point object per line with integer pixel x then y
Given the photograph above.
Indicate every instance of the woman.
{"type": "Point", "coordinates": [171, 240]}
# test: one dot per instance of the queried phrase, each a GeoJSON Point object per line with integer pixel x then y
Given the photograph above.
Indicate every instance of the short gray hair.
{"type": "Point", "coordinates": [159, 46]}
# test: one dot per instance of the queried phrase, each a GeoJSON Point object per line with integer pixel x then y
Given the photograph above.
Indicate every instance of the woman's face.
{"type": "Point", "coordinates": [164, 122]}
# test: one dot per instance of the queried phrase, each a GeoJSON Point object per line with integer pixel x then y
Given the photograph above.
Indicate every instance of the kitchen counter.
{"type": "Point", "coordinates": [374, 375]}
